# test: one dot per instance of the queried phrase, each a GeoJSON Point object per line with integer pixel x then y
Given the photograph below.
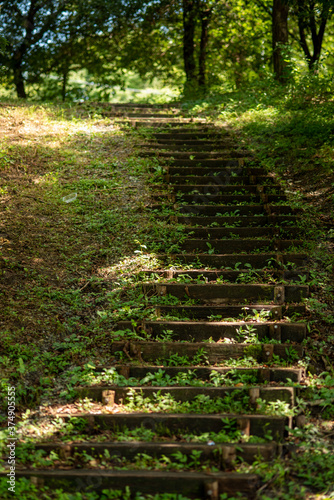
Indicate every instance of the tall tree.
{"type": "Point", "coordinates": [309, 16]}
{"type": "Point", "coordinates": [280, 37]}
{"type": "Point", "coordinates": [53, 35]}
{"type": "Point", "coordinates": [196, 18]}
{"type": "Point", "coordinates": [312, 17]}
{"type": "Point", "coordinates": [189, 25]}
{"type": "Point", "coordinates": [25, 26]}
{"type": "Point", "coordinates": [205, 14]}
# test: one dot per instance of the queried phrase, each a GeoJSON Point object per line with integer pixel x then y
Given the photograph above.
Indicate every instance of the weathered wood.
{"type": "Point", "coordinates": [183, 394]}
{"type": "Point", "coordinates": [227, 153]}
{"type": "Point", "coordinates": [190, 483]}
{"type": "Point", "coordinates": [230, 260]}
{"type": "Point", "coordinates": [238, 245]}
{"type": "Point", "coordinates": [151, 351]}
{"type": "Point", "coordinates": [222, 311]}
{"type": "Point", "coordinates": [203, 372]}
{"type": "Point", "coordinates": [228, 275]}
{"type": "Point", "coordinates": [214, 180]}
{"type": "Point", "coordinates": [192, 135]}
{"type": "Point", "coordinates": [203, 330]}
{"type": "Point", "coordinates": [209, 189]}
{"type": "Point", "coordinates": [221, 454]}
{"type": "Point", "coordinates": [228, 293]}
{"type": "Point", "coordinates": [205, 198]}
{"type": "Point", "coordinates": [245, 220]}
{"type": "Point", "coordinates": [166, 423]}
{"type": "Point", "coordinates": [212, 210]}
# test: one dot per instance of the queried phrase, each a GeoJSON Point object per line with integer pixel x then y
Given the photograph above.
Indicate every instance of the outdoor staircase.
{"type": "Point", "coordinates": [235, 278]}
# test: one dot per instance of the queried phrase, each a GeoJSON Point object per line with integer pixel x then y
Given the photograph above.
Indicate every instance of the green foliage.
{"type": "Point", "coordinates": [28, 491]}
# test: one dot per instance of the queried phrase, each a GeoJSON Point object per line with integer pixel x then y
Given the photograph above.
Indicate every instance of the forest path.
{"type": "Point", "coordinates": [212, 372]}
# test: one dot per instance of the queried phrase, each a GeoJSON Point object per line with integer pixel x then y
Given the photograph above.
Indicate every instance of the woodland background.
{"type": "Point", "coordinates": [74, 50]}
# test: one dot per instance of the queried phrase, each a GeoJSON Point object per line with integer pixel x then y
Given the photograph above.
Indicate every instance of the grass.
{"type": "Point", "coordinates": [58, 260]}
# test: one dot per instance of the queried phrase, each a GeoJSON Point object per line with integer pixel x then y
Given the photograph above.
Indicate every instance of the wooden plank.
{"type": "Point", "coordinates": [263, 374]}
{"type": "Point", "coordinates": [254, 425]}
{"type": "Point", "coordinates": [203, 330]}
{"type": "Point", "coordinates": [216, 353]}
{"type": "Point", "coordinates": [191, 483]}
{"type": "Point", "coordinates": [221, 454]}
{"type": "Point", "coordinates": [184, 394]}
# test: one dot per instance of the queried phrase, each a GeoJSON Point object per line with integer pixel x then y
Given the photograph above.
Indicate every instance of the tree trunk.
{"type": "Point", "coordinates": [64, 83]}
{"type": "Point", "coordinates": [19, 82]}
{"type": "Point", "coordinates": [189, 21]}
{"type": "Point", "coordinates": [307, 20]}
{"type": "Point", "coordinates": [280, 38]}
{"type": "Point", "coordinates": [205, 19]}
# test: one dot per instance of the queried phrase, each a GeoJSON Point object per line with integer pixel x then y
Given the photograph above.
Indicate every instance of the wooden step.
{"type": "Point", "coordinates": [262, 374]}
{"type": "Point", "coordinates": [237, 199]}
{"type": "Point", "coordinates": [238, 220]}
{"type": "Point", "coordinates": [121, 395]}
{"type": "Point", "coordinates": [216, 233]}
{"type": "Point", "coordinates": [203, 330]}
{"type": "Point", "coordinates": [228, 153]}
{"type": "Point", "coordinates": [181, 135]}
{"type": "Point", "coordinates": [236, 311]}
{"type": "Point", "coordinates": [223, 261]}
{"type": "Point", "coordinates": [222, 455]}
{"type": "Point", "coordinates": [249, 424]}
{"type": "Point", "coordinates": [190, 483]}
{"type": "Point", "coordinates": [215, 352]}
{"type": "Point", "coordinates": [241, 275]}
{"type": "Point", "coordinates": [229, 293]}
{"type": "Point", "coordinates": [239, 245]}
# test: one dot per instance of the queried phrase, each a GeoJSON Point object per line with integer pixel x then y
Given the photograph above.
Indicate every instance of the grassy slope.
{"type": "Point", "coordinates": [60, 262]}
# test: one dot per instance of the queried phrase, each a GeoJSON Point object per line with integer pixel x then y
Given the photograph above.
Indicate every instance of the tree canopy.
{"type": "Point", "coordinates": [194, 43]}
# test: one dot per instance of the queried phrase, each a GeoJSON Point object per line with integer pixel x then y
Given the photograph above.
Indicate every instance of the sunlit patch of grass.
{"type": "Point", "coordinates": [52, 249]}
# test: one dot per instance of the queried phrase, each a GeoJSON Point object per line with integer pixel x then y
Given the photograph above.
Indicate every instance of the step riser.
{"type": "Point", "coordinates": [226, 293]}
{"type": "Point", "coordinates": [216, 353]}
{"type": "Point", "coordinates": [210, 180]}
{"type": "Point", "coordinates": [243, 221]}
{"type": "Point", "coordinates": [120, 114]}
{"type": "Point", "coordinates": [223, 155]}
{"type": "Point", "coordinates": [236, 245]}
{"type": "Point", "coordinates": [225, 167]}
{"type": "Point", "coordinates": [183, 148]}
{"type": "Point", "coordinates": [198, 332]}
{"type": "Point", "coordinates": [191, 484]}
{"type": "Point", "coordinates": [186, 423]}
{"type": "Point", "coordinates": [212, 210]}
{"type": "Point", "coordinates": [228, 260]}
{"type": "Point", "coordinates": [240, 275]}
{"type": "Point", "coordinates": [229, 311]}
{"type": "Point", "coordinates": [219, 454]}
{"type": "Point", "coordinates": [158, 123]}
{"type": "Point", "coordinates": [263, 375]}
{"type": "Point", "coordinates": [184, 394]}
{"type": "Point", "coordinates": [228, 210]}
{"type": "Point", "coordinates": [214, 233]}
{"type": "Point", "coordinates": [188, 136]}
{"type": "Point", "coordinates": [194, 129]}
{"type": "Point", "coordinates": [216, 190]}
{"type": "Point", "coordinates": [183, 144]}
{"type": "Point", "coordinates": [138, 105]}
{"type": "Point", "coordinates": [224, 199]}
